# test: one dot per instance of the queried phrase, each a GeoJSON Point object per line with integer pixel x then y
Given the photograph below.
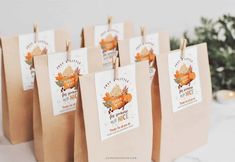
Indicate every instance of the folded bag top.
{"type": "Point", "coordinates": [145, 46]}
{"type": "Point", "coordinates": [106, 37]}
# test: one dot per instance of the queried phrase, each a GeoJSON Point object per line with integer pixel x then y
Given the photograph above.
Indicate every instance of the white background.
{"type": "Point", "coordinates": [174, 16]}
{"type": "Point", "coordinates": [17, 16]}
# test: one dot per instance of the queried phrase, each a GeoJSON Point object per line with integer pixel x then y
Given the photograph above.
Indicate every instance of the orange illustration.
{"type": "Point", "coordinates": [117, 98]}
{"type": "Point", "coordinates": [184, 75]}
{"type": "Point", "coordinates": [145, 54]}
{"type": "Point", "coordinates": [68, 79]}
{"type": "Point", "coordinates": [36, 51]}
{"type": "Point", "coordinates": [109, 43]}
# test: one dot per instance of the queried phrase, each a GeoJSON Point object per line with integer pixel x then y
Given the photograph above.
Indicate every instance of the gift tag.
{"type": "Point", "coordinates": [107, 38]}
{"type": "Point", "coordinates": [29, 48]}
{"type": "Point", "coordinates": [147, 50]}
{"type": "Point", "coordinates": [117, 101]}
{"type": "Point", "coordinates": [64, 74]}
{"type": "Point", "coordinates": [184, 79]}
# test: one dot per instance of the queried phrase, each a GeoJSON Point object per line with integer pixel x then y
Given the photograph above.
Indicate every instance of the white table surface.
{"type": "Point", "coordinates": [220, 147]}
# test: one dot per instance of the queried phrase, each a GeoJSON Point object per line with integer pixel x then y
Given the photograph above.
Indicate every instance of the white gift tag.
{"type": "Point", "coordinates": [184, 79]}
{"type": "Point", "coordinates": [140, 51]}
{"type": "Point", "coordinates": [117, 101]}
{"type": "Point", "coordinates": [28, 48]}
{"type": "Point", "coordinates": [63, 74]}
{"type": "Point", "coordinates": [108, 39]}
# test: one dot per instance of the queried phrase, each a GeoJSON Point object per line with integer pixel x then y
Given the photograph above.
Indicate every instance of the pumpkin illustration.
{"type": "Point", "coordinates": [117, 98]}
{"type": "Point", "coordinates": [145, 54]}
{"type": "Point", "coordinates": [68, 79]}
{"type": "Point", "coordinates": [35, 52]}
{"type": "Point", "coordinates": [184, 75]}
{"type": "Point", "coordinates": [109, 43]}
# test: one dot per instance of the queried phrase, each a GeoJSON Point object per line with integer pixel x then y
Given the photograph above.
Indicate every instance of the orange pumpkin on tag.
{"type": "Point", "coordinates": [117, 98]}
{"type": "Point", "coordinates": [109, 43]}
{"type": "Point", "coordinates": [184, 75]}
{"type": "Point", "coordinates": [145, 54]}
{"type": "Point", "coordinates": [69, 78]}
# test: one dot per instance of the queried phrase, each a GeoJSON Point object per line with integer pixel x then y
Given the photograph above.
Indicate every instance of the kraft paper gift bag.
{"type": "Point", "coordinates": [18, 77]}
{"type": "Point", "coordinates": [55, 101]}
{"type": "Point", "coordinates": [80, 146]}
{"type": "Point", "coordinates": [118, 114]}
{"type": "Point", "coordinates": [148, 47]}
{"type": "Point", "coordinates": [106, 37]}
{"type": "Point", "coordinates": [185, 88]}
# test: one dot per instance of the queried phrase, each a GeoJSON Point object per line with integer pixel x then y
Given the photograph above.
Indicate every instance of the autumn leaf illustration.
{"type": "Point", "coordinates": [117, 98]}
{"type": "Point", "coordinates": [109, 43]}
{"type": "Point", "coordinates": [145, 54]}
{"type": "Point", "coordinates": [184, 75]}
{"type": "Point", "coordinates": [59, 83]}
{"type": "Point", "coordinates": [68, 79]}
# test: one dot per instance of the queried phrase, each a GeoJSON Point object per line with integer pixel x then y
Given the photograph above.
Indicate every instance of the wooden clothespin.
{"type": "Point", "coordinates": [115, 66]}
{"type": "Point", "coordinates": [142, 32]}
{"type": "Point", "coordinates": [110, 18]}
{"type": "Point", "coordinates": [68, 50]}
{"type": "Point", "coordinates": [35, 31]}
{"type": "Point", "coordinates": [183, 45]}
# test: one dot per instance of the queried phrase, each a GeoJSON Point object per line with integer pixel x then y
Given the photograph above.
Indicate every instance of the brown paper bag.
{"type": "Point", "coordinates": [117, 114]}
{"type": "Point", "coordinates": [17, 100]}
{"type": "Point", "coordinates": [185, 88]}
{"type": "Point", "coordinates": [80, 145]}
{"type": "Point", "coordinates": [146, 47]}
{"type": "Point", "coordinates": [106, 37]}
{"type": "Point", "coordinates": [54, 124]}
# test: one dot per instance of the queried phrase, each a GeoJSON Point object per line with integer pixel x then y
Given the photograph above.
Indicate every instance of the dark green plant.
{"type": "Point", "coordinates": [220, 38]}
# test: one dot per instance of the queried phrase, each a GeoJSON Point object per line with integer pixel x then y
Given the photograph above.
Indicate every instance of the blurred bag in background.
{"type": "Point", "coordinates": [106, 37]}
{"type": "Point", "coordinates": [142, 48]}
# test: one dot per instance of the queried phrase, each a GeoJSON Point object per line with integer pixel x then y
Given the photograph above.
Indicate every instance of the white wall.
{"type": "Point", "coordinates": [17, 16]}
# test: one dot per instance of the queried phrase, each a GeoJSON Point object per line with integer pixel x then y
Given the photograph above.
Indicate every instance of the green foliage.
{"type": "Point", "coordinates": [60, 83]}
{"type": "Point", "coordinates": [220, 38]}
{"type": "Point", "coordinates": [107, 104]}
{"type": "Point", "coordinates": [30, 62]}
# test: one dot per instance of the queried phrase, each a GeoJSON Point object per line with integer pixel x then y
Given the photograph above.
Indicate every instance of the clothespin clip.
{"type": "Point", "coordinates": [109, 22]}
{"type": "Point", "coordinates": [183, 45]}
{"type": "Point", "coordinates": [35, 30]}
{"type": "Point", "coordinates": [142, 32]}
{"type": "Point", "coordinates": [68, 50]}
{"type": "Point", "coordinates": [115, 66]}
